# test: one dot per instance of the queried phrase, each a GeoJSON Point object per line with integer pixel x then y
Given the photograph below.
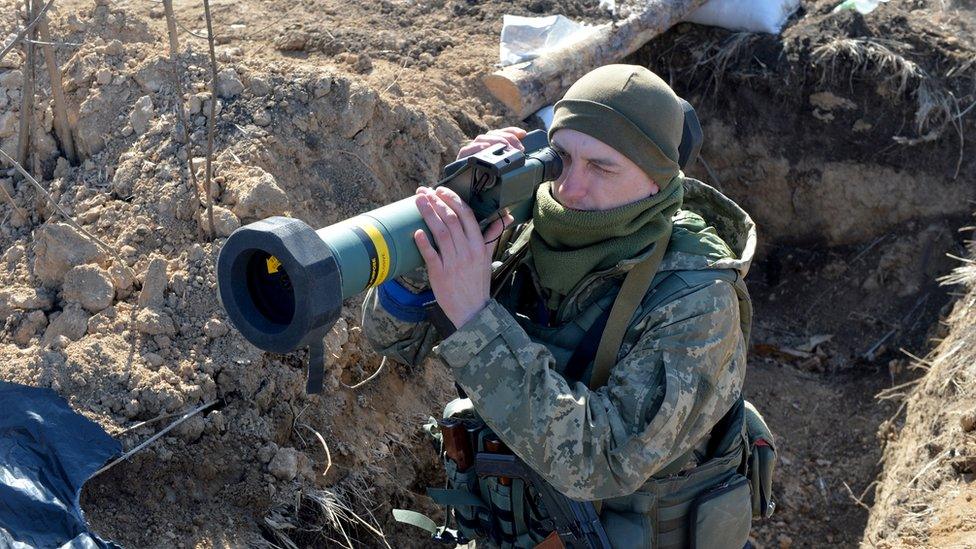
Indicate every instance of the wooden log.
{"type": "Point", "coordinates": [61, 127]}
{"type": "Point", "coordinates": [528, 86]}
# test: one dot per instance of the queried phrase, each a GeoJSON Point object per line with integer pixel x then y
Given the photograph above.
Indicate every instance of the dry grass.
{"type": "Point", "coordinates": [964, 274]}
{"type": "Point", "coordinates": [717, 58]}
{"type": "Point", "coordinates": [936, 105]}
{"type": "Point", "coordinates": [329, 517]}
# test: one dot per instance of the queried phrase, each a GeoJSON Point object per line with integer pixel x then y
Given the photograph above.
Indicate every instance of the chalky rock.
{"type": "Point", "coordinates": [229, 84]}
{"type": "Point", "coordinates": [152, 322]}
{"type": "Point", "coordinates": [284, 464]}
{"type": "Point", "coordinates": [154, 284]}
{"type": "Point", "coordinates": [57, 248]}
{"type": "Point", "coordinates": [141, 114]}
{"type": "Point", "coordinates": [257, 196]}
{"type": "Point", "coordinates": [90, 286]}
{"type": "Point", "coordinates": [225, 222]}
{"type": "Point", "coordinates": [72, 323]}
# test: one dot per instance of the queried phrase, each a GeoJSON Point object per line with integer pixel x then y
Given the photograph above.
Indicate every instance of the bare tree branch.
{"type": "Point", "coordinates": [168, 428]}
{"type": "Point", "coordinates": [212, 120]}
{"type": "Point", "coordinates": [25, 30]}
{"type": "Point", "coordinates": [61, 127]}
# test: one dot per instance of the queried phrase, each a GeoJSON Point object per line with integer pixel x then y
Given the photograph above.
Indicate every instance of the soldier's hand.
{"type": "Point", "coordinates": [460, 268]}
{"type": "Point", "coordinates": [510, 136]}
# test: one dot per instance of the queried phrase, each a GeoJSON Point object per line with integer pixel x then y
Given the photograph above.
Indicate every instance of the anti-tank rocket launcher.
{"type": "Point", "coordinates": [282, 282]}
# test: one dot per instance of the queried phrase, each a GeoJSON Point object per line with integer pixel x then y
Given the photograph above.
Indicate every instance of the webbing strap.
{"type": "Point", "coordinates": [518, 507]}
{"type": "Point", "coordinates": [636, 283]}
{"type": "Point", "coordinates": [455, 497]}
{"type": "Point", "coordinates": [414, 518]}
{"type": "Point", "coordinates": [316, 364]}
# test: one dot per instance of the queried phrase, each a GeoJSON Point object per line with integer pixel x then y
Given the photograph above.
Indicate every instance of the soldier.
{"type": "Point", "coordinates": [657, 438]}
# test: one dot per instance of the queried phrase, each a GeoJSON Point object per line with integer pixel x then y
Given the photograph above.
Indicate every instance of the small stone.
{"type": "Point", "coordinates": [29, 327]}
{"type": "Point", "coordinates": [363, 64]}
{"type": "Point", "coordinates": [153, 322]}
{"type": "Point", "coordinates": [284, 464]}
{"type": "Point", "coordinates": [62, 167]}
{"type": "Point", "coordinates": [258, 196]}
{"type": "Point", "coordinates": [262, 118]}
{"type": "Point", "coordinates": [141, 113]}
{"type": "Point", "coordinates": [225, 222]}
{"type": "Point", "coordinates": [153, 359]}
{"type": "Point", "coordinates": [785, 542]}
{"type": "Point", "coordinates": [26, 299]}
{"type": "Point", "coordinates": [71, 323]}
{"type": "Point", "coordinates": [90, 286]}
{"type": "Point", "coordinates": [132, 408]}
{"type": "Point", "coordinates": [195, 103]}
{"type": "Point", "coordinates": [229, 84]}
{"type": "Point", "coordinates": [259, 86]}
{"type": "Point", "coordinates": [59, 342]}
{"type": "Point", "coordinates": [103, 76]}
{"type": "Point", "coordinates": [191, 429]}
{"type": "Point", "coordinates": [215, 328]}
{"type": "Point", "coordinates": [114, 47]}
{"type": "Point", "coordinates": [293, 40]}
{"type": "Point", "coordinates": [8, 122]}
{"type": "Point", "coordinates": [266, 452]}
{"type": "Point", "coordinates": [57, 248]}
{"type": "Point", "coordinates": [154, 284]}
{"type": "Point", "coordinates": [322, 87]}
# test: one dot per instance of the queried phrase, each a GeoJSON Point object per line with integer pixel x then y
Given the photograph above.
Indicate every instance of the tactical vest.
{"type": "Point", "coordinates": [705, 498]}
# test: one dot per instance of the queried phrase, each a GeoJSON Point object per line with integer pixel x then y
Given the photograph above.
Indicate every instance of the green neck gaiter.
{"type": "Point", "coordinates": [567, 245]}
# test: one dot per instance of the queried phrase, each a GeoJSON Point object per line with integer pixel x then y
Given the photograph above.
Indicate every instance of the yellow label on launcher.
{"type": "Point", "coordinates": [273, 264]}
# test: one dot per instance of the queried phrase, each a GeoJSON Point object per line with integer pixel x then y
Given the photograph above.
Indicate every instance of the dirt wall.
{"type": "Point", "coordinates": [925, 496]}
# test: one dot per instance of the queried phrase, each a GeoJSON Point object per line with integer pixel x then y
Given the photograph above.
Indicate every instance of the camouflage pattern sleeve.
{"type": "Point", "coordinates": [671, 388]}
{"type": "Point", "coordinates": [407, 341]}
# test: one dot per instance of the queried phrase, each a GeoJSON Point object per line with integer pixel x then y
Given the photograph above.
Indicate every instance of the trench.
{"type": "Point", "coordinates": [853, 233]}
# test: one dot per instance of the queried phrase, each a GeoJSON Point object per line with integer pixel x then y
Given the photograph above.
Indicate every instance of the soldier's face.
{"type": "Point", "coordinates": [595, 176]}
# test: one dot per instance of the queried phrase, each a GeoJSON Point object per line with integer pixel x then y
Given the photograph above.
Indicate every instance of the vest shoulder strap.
{"type": "Point", "coordinates": [634, 288]}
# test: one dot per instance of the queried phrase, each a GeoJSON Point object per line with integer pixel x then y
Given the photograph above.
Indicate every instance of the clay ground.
{"type": "Point", "coordinates": [844, 137]}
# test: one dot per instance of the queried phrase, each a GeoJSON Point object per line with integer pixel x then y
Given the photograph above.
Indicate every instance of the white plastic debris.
{"type": "Point", "coordinates": [525, 38]}
{"type": "Point", "coordinates": [545, 114]}
{"type": "Point", "coordinates": [862, 6]}
{"type": "Point", "coordinates": [746, 15]}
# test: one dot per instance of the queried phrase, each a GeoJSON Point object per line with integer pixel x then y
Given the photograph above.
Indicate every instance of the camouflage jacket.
{"type": "Point", "coordinates": [681, 367]}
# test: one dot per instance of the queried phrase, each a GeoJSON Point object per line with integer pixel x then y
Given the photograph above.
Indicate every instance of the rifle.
{"type": "Point", "coordinates": [574, 524]}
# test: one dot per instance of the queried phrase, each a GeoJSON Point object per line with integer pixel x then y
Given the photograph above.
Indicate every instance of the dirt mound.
{"type": "Point", "coordinates": [925, 495]}
{"type": "Point", "coordinates": [329, 109]}
{"type": "Point", "coordinates": [131, 330]}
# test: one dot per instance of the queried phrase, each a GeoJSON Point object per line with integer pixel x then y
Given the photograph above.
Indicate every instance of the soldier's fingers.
{"type": "Point", "coordinates": [427, 251]}
{"type": "Point", "coordinates": [471, 228]}
{"type": "Point", "coordinates": [451, 221]}
{"type": "Point", "coordinates": [511, 138]}
{"type": "Point", "coordinates": [481, 142]}
{"type": "Point", "coordinates": [437, 226]}
{"type": "Point", "coordinates": [519, 132]}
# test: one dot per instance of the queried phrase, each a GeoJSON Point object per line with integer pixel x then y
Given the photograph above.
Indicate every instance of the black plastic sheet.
{"type": "Point", "coordinates": [47, 452]}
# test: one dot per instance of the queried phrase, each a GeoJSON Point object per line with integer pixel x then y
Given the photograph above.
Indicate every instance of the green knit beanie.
{"type": "Point", "coordinates": [631, 109]}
